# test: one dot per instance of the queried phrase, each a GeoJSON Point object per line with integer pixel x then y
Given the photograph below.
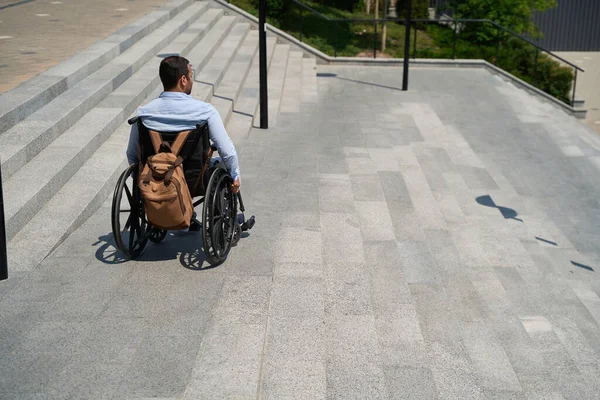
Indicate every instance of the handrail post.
{"type": "Point", "coordinates": [454, 41]}
{"type": "Point", "coordinates": [574, 88]}
{"type": "Point", "coordinates": [262, 43]}
{"type": "Point", "coordinates": [301, 22]}
{"type": "Point", "coordinates": [337, 29]}
{"type": "Point", "coordinates": [375, 39]}
{"type": "Point", "coordinates": [497, 46]}
{"type": "Point", "coordinates": [406, 44]}
{"type": "Point", "coordinates": [537, 54]}
{"type": "Point", "coordinates": [3, 252]}
{"type": "Point", "coordinates": [415, 44]}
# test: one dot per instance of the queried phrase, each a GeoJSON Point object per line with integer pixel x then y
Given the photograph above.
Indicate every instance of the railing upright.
{"type": "Point", "coordinates": [574, 88]}
{"type": "Point", "coordinates": [262, 58]}
{"type": "Point", "coordinates": [335, 43]}
{"type": "Point", "coordinates": [375, 39]}
{"type": "Point", "coordinates": [454, 41]}
{"type": "Point", "coordinates": [415, 44]}
{"type": "Point", "coordinates": [301, 22]}
{"type": "Point", "coordinates": [3, 252]}
{"type": "Point", "coordinates": [497, 46]}
{"type": "Point", "coordinates": [535, 68]}
{"type": "Point", "coordinates": [406, 45]}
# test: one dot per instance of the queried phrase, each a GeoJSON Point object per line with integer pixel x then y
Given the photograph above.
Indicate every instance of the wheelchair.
{"type": "Point", "coordinates": [209, 185]}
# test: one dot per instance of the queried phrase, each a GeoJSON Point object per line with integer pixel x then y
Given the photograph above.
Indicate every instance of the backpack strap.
{"type": "Point", "coordinates": [179, 142]}
{"type": "Point", "coordinates": [169, 174]}
{"type": "Point", "coordinates": [156, 140]}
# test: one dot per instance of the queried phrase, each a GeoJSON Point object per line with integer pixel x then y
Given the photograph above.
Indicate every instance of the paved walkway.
{"type": "Point", "coordinates": [36, 35]}
{"type": "Point", "coordinates": [437, 243]}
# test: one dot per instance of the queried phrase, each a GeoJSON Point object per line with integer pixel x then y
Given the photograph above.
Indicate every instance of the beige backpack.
{"type": "Point", "coordinates": [167, 200]}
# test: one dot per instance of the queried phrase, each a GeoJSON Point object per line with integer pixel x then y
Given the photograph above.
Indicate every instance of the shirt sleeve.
{"type": "Point", "coordinates": [221, 139]}
{"type": "Point", "coordinates": [132, 147]}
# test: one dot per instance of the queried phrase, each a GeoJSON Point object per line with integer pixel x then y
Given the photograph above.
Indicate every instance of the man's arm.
{"type": "Point", "coordinates": [225, 146]}
{"type": "Point", "coordinates": [132, 147]}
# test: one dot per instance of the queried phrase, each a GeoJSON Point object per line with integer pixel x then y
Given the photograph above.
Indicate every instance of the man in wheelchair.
{"type": "Point", "coordinates": [173, 112]}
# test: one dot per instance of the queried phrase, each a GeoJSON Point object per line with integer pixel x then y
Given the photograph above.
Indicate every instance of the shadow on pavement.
{"type": "Point", "coordinates": [507, 213]}
{"type": "Point", "coordinates": [177, 245]}
{"type": "Point", "coordinates": [331, 75]}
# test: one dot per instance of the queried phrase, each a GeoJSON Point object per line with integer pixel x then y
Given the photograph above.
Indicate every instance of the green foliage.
{"type": "Point", "coordinates": [276, 9]}
{"type": "Point", "coordinates": [346, 5]}
{"type": "Point", "coordinates": [420, 9]}
{"type": "Point", "coordinates": [519, 58]}
{"type": "Point", "coordinates": [515, 15]}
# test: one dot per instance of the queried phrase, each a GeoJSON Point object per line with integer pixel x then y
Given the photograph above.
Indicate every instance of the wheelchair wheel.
{"type": "Point", "coordinates": [218, 217]}
{"type": "Point", "coordinates": [129, 223]}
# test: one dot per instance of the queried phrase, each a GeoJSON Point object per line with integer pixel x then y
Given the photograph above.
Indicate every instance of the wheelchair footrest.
{"type": "Point", "coordinates": [249, 224]}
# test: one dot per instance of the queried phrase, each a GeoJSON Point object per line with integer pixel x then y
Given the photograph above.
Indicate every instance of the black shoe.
{"type": "Point", "coordinates": [246, 226]}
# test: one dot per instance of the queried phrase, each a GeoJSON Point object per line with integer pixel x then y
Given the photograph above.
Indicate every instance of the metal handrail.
{"type": "Point", "coordinates": [489, 21]}
{"type": "Point", "coordinates": [375, 21]}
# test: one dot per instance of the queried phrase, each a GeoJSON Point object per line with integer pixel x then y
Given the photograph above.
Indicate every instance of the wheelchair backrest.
{"type": "Point", "coordinates": [194, 152]}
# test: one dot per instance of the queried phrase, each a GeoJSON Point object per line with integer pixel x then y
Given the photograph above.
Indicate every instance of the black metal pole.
{"type": "Point", "coordinates": [574, 88]}
{"type": "Point", "coordinates": [454, 41]}
{"type": "Point", "coordinates": [406, 44]}
{"type": "Point", "coordinates": [375, 40]}
{"type": "Point", "coordinates": [535, 68]}
{"type": "Point", "coordinates": [415, 44]}
{"type": "Point", "coordinates": [497, 46]}
{"type": "Point", "coordinates": [262, 39]}
{"type": "Point", "coordinates": [336, 40]}
{"type": "Point", "coordinates": [3, 253]}
{"type": "Point", "coordinates": [301, 22]}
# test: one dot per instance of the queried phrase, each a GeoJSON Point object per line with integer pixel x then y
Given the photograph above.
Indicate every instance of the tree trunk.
{"type": "Point", "coordinates": [376, 9]}
{"type": "Point", "coordinates": [368, 6]}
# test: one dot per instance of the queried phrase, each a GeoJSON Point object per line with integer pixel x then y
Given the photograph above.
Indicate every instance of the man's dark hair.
{"type": "Point", "coordinates": [171, 69]}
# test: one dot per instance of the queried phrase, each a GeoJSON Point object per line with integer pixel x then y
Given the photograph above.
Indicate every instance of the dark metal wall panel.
{"type": "Point", "coordinates": [574, 25]}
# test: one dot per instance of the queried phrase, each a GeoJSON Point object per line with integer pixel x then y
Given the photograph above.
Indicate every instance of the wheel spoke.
{"type": "Point", "coordinates": [128, 223]}
{"type": "Point", "coordinates": [132, 235]}
{"type": "Point", "coordinates": [128, 193]}
{"type": "Point", "coordinates": [124, 211]}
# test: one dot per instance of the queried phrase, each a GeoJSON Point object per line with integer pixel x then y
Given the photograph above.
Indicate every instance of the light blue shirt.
{"type": "Point", "coordinates": [177, 111]}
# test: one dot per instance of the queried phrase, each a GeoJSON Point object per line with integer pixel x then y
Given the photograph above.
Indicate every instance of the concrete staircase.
{"type": "Point", "coordinates": [63, 133]}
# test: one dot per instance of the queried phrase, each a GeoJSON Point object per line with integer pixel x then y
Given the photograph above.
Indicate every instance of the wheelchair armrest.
{"type": "Point", "coordinates": [132, 121]}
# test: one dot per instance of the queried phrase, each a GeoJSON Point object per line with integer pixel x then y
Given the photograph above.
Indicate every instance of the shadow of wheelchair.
{"type": "Point", "coordinates": [184, 246]}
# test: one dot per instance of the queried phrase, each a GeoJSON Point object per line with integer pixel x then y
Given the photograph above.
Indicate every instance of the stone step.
{"type": "Point", "coordinates": [20, 102]}
{"type": "Point", "coordinates": [276, 80]}
{"type": "Point", "coordinates": [60, 160]}
{"type": "Point", "coordinates": [214, 71]}
{"type": "Point", "coordinates": [248, 98]}
{"type": "Point", "coordinates": [231, 85]}
{"type": "Point", "coordinates": [25, 140]}
{"type": "Point", "coordinates": [226, 93]}
{"type": "Point", "coordinates": [290, 102]}
{"type": "Point", "coordinates": [309, 80]}
{"type": "Point", "coordinates": [244, 109]}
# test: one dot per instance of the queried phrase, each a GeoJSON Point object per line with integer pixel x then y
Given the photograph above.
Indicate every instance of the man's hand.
{"type": "Point", "coordinates": [235, 186]}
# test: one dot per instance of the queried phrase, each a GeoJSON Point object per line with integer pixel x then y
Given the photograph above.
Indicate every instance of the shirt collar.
{"type": "Point", "coordinates": [174, 95]}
